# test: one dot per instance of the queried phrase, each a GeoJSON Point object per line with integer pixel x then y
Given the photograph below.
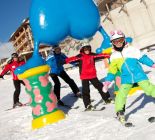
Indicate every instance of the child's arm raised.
{"type": "Point", "coordinates": [146, 60]}
{"type": "Point", "coordinates": [73, 59]}
{"type": "Point", "coordinates": [101, 56]}
{"type": "Point", "coordinates": [5, 70]}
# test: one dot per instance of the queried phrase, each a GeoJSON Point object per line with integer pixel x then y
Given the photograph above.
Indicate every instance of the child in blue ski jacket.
{"type": "Point", "coordinates": [56, 60]}
{"type": "Point", "coordinates": [126, 59]}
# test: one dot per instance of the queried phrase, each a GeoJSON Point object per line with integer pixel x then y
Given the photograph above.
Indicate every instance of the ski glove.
{"type": "Point", "coordinates": [1, 76]}
{"type": "Point", "coordinates": [106, 86]}
{"type": "Point", "coordinates": [153, 66]}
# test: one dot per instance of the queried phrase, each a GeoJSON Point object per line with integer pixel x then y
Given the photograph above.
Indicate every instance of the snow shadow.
{"type": "Point", "coordinates": [110, 90]}
{"type": "Point", "coordinates": [70, 99]}
{"type": "Point", "coordinates": [98, 103]}
{"type": "Point", "coordinates": [145, 100]}
{"type": "Point", "coordinates": [147, 72]}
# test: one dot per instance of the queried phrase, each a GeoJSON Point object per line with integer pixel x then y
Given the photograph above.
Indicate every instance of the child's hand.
{"type": "Point", "coordinates": [106, 86]}
{"type": "Point", "coordinates": [153, 66]}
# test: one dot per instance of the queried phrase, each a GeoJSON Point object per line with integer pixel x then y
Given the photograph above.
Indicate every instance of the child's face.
{"type": "Point", "coordinates": [86, 51]}
{"type": "Point", "coordinates": [57, 50]}
{"type": "Point", "coordinates": [15, 58]}
{"type": "Point", "coordinates": [118, 42]}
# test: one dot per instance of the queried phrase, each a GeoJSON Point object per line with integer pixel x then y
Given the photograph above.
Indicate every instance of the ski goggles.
{"type": "Point", "coordinates": [118, 40]}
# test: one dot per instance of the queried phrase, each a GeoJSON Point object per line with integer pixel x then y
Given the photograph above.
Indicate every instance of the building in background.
{"type": "Point", "coordinates": [22, 41]}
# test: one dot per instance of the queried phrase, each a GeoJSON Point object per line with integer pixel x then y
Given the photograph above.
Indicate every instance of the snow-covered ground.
{"type": "Point", "coordinates": [78, 125]}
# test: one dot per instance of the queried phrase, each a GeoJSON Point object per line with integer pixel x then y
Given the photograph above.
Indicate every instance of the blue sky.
{"type": "Point", "coordinates": [12, 13]}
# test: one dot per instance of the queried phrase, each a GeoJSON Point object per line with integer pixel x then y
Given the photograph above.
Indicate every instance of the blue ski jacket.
{"type": "Point", "coordinates": [56, 61]}
{"type": "Point", "coordinates": [128, 63]}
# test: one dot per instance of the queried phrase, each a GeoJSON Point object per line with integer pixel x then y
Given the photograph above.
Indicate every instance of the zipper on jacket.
{"type": "Point", "coordinates": [128, 68]}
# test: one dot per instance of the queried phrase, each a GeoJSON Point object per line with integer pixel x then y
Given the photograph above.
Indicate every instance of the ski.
{"type": "Point", "coordinates": [92, 100]}
{"type": "Point", "coordinates": [128, 124]}
{"type": "Point", "coordinates": [124, 122]}
{"type": "Point", "coordinates": [151, 119]}
{"type": "Point", "coordinates": [100, 109]}
{"type": "Point", "coordinates": [96, 109]}
{"type": "Point", "coordinates": [65, 86]}
{"type": "Point", "coordinates": [111, 101]}
{"type": "Point", "coordinates": [26, 104]}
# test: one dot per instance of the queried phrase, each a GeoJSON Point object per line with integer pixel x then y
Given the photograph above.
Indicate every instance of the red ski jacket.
{"type": "Point", "coordinates": [87, 64]}
{"type": "Point", "coordinates": [11, 67]}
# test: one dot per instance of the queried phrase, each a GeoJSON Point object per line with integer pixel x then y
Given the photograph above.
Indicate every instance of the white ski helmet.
{"type": "Point", "coordinates": [116, 34]}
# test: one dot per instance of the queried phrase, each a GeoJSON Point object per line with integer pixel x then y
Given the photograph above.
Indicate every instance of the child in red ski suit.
{"type": "Point", "coordinates": [87, 70]}
{"type": "Point", "coordinates": [11, 66]}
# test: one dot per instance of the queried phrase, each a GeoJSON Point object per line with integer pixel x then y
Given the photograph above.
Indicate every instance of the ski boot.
{"type": "Point", "coordinates": [109, 101]}
{"type": "Point", "coordinates": [122, 120]}
{"type": "Point", "coordinates": [17, 104]}
{"type": "Point", "coordinates": [89, 108]}
{"type": "Point", "coordinates": [78, 94]}
{"type": "Point", "coordinates": [121, 116]}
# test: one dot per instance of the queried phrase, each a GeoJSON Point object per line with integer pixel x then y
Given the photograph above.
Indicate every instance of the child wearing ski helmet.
{"type": "Point", "coordinates": [87, 70]}
{"type": "Point", "coordinates": [126, 59]}
{"type": "Point", "coordinates": [56, 60]}
{"type": "Point", "coordinates": [11, 66]}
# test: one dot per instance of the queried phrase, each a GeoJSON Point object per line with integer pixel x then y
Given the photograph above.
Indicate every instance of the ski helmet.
{"type": "Point", "coordinates": [116, 34]}
{"type": "Point", "coordinates": [56, 47]}
{"type": "Point", "coordinates": [87, 47]}
{"type": "Point", "coordinates": [13, 55]}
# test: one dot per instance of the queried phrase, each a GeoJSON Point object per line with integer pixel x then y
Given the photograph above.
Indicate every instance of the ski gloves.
{"type": "Point", "coordinates": [106, 86]}
{"type": "Point", "coordinates": [153, 66]}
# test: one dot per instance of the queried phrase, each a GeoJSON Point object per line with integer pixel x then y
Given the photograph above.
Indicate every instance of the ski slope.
{"type": "Point", "coordinates": [99, 125]}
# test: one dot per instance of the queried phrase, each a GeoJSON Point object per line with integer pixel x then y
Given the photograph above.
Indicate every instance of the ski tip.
{"type": "Point", "coordinates": [151, 119]}
{"type": "Point", "coordinates": [92, 100]}
{"type": "Point", "coordinates": [95, 109]}
{"type": "Point", "coordinates": [102, 108]}
{"type": "Point", "coordinates": [76, 107]}
{"type": "Point", "coordinates": [128, 124]}
{"type": "Point", "coordinates": [23, 105]}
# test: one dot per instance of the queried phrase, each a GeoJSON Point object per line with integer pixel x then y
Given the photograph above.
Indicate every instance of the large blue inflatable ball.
{"type": "Point", "coordinates": [52, 21]}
